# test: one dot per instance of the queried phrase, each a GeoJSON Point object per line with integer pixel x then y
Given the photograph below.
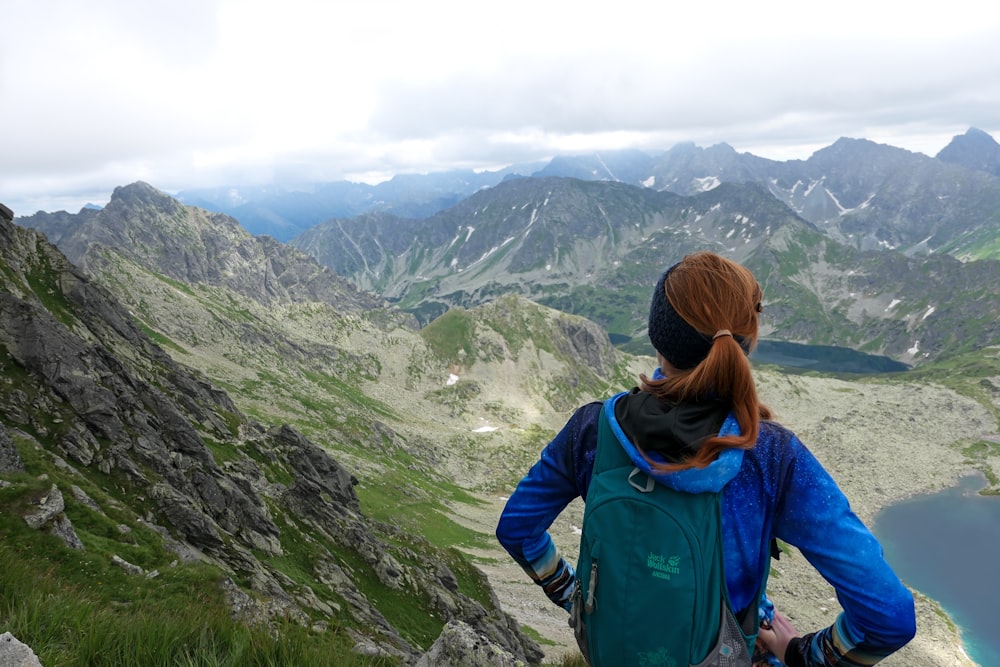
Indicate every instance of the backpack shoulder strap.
{"type": "Point", "coordinates": [610, 453]}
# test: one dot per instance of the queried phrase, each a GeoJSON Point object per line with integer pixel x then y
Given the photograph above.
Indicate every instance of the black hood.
{"type": "Point", "coordinates": [676, 430]}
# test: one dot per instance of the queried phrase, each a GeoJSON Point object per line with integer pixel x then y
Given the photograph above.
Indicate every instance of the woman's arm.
{"type": "Point", "coordinates": [878, 615]}
{"type": "Point", "coordinates": [539, 498]}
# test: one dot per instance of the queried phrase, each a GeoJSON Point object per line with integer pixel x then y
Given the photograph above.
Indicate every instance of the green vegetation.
{"type": "Point", "coordinates": [75, 608]}
{"type": "Point", "coordinates": [980, 453]}
{"type": "Point", "coordinates": [159, 338]}
{"type": "Point", "coordinates": [44, 282]}
{"type": "Point", "coordinates": [968, 374]}
{"type": "Point", "coordinates": [621, 311]}
{"type": "Point", "coordinates": [452, 335]}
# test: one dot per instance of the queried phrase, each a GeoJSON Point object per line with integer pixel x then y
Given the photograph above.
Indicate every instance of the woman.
{"type": "Point", "coordinates": [703, 323]}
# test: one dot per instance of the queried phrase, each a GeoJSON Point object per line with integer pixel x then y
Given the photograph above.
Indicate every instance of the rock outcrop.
{"type": "Point", "coordinates": [50, 515]}
{"type": "Point", "coordinates": [461, 645]}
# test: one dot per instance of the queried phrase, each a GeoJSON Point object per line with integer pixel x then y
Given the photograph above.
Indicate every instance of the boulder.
{"type": "Point", "coordinates": [50, 514]}
{"type": "Point", "coordinates": [459, 644]}
{"type": "Point", "coordinates": [15, 654]}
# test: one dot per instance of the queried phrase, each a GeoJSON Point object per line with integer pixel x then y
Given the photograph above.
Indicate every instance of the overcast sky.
{"type": "Point", "coordinates": [190, 93]}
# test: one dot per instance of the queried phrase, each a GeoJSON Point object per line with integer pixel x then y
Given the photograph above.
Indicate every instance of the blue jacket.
{"type": "Point", "coordinates": [776, 489]}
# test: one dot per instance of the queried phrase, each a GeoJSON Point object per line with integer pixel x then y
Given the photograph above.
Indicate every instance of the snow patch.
{"type": "Point", "coordinates": [649, 182]}
{"type": "Point", "coordinates": [452, 379]}
{"type": "Point", "coordinates": [707, 183]}
{"type": "Point", "coordinates": [809, 189]}
{"type": "Point", "coordinates": [893, 304]}
{"type": "Point", "coordinates": [930, 311]}
{"type": "Point", "coordinates": [833, 197]}
{"type": "Point", "coordinates": [915, 349]}
{"type": "Point", "coordinates": [486, 429]}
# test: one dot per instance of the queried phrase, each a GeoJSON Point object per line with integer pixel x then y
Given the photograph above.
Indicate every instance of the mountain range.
{"type": "Point", "coordinates": [861, 193]}
{"type": "Point", "coordinates": [593, 248]}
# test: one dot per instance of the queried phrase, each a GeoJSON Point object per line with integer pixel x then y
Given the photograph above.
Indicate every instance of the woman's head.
{"type": "Point", "coordinates": [703, 321]}
{"type": "Point", "coordinates": [698, 299]}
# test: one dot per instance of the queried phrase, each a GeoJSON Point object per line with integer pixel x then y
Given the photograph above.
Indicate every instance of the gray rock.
{"type": "Point", "coordinates": [81, 497]}
{"type": "Point", "coordinates": [459, 644]}
{"type": "Point", "coordinates": [50, 506]}
{"type": "Point", "coordinates": [10, 460]}
{"type": "Point", "coordinates": [98, 393]}
{"type": "Point", "coordinates": [63, 529]}
{"type": "Point", "coordinates": [13, 653]}
{"type": "Point", "coordinates": [128, 567]}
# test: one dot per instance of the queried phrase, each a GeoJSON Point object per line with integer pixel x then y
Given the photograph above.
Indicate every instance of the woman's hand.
{"type": "Point", "coordinates": [778, 635]}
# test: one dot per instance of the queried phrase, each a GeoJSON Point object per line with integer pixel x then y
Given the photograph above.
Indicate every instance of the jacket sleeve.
{"type": "Point", "coordinates": [878, 614]}
{"type": "Point", "coordinates": [540, 496]}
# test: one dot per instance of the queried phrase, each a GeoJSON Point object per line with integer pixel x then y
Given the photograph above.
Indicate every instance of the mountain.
{"type": "Point", "coordinates": [195, 246]}
{"type": "Point", "coordinates": [623, 166]}
{"type": "Point", "coordinates": [858, 192]}
{"type": "Point", "coordinates": [593, 248]}
{"type": "Point", "coordinates": [875, 196]}
{"type": "Point", "coordinates": [146, 480]}
{"type": "Point", "coordinates": [284, 212]}
{"type": "Point", "coordinates": [973, 150]}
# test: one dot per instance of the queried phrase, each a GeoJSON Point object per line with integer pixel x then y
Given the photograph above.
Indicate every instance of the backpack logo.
{"type": "Point", "coordinates": [663, 567]}
{"type": "Point", "coordinates": [658, 658]}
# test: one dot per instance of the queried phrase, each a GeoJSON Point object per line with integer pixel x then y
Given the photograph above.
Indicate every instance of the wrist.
{"type": "Point", "coordinates": [795, 651]}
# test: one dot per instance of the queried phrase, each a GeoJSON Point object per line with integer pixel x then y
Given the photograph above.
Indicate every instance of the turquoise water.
{"type": "Point", "coordinates": [947, 546]}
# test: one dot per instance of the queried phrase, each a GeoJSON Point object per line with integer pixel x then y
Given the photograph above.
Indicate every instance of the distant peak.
{"type": "Point", "coordinates": [134, 189]}
{"type": "Point", "coordinates": [143, 194]}
{"type": "Point", "coordinates": [976, 132]}
{"type": "Point", "coordinates": [973, 150]}
{"type": "Point", "coordinates": [684, 147]}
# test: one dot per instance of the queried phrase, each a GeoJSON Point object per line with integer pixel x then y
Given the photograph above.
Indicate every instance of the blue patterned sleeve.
{"type": "Point", "coordinates": [878, 615]}
{"type": "Point", "coordinates": [559, 476]}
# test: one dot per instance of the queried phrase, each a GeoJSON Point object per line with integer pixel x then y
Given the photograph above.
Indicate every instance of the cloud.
{"type": "Point", "coordinates": [193, 92]}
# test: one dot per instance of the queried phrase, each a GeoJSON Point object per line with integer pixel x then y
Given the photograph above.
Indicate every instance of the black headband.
{"type": "Point", "coordinates": [680, 343]}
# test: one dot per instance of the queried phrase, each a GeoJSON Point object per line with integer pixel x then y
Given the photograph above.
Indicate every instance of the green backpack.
{"type": "Point", "coordinates": [651, 588]}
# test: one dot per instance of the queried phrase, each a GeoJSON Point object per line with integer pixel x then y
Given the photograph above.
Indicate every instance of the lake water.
{"type": "Point", "coordinates": [947, 546]}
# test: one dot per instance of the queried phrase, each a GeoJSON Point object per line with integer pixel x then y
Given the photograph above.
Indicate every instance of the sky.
{"type": "Point", "coordinates": [205, 93]}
